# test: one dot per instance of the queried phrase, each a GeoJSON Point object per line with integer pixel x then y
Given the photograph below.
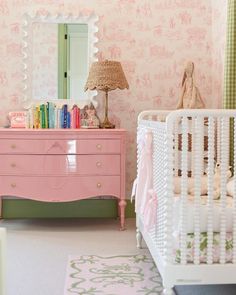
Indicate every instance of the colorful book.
{"type": "Point", "coordinates": [56, 117]}
{"type": "Point", "coordinates": [62, 118]}
{"type": "Point", "coordinates": [45, 115]}
{"type": "Point", "coordinates": [74, 114]}
{"type": "Point", "coordinates": [64, 108]}
{"type": "Point", "coordinates": [78, 125]}
{"type": "Point", "coordinates": [51, 115]}
{"type": "Point", "coordinates": [56, 112]}
{"type": "Point", "coordinates": [68, 120]}
{"type": "Point", "coordinates": [71, 118]}
{"type": "Point", "coordinates": [41, 116]}
{"type": "Point", "coordinates": [38, 122]}
{"type": "Point", "coordinates": [35, 117]}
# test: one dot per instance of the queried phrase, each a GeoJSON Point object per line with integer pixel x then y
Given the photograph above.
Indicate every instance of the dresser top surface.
{"type": "Point", "coordinates": [60, 133]}
{"type": "Point", "coordinates": [81, 130]}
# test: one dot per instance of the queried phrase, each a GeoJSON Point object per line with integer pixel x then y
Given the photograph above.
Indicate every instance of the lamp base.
{"type": "Point", "coordinates": [106, 124]}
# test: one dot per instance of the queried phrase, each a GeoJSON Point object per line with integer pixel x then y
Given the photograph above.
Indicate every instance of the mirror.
{"type": "Point", "coordinates": [58, 52]}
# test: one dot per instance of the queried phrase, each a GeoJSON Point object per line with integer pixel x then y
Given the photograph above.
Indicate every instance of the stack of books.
{"type": "Point", "coordinates": [48, 115]}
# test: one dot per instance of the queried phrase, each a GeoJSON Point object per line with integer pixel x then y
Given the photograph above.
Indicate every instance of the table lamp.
{"type": "Point", "coordinates": [106, 76]}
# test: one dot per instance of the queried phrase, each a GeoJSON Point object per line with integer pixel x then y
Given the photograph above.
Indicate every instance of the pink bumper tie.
{"type": "Point", "coordinates": [150, 210]}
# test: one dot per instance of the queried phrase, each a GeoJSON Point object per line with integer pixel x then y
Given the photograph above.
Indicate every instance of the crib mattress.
{"type": "Point", "coordinates": [203, 214]}
{"type": "Point", "coordinates": [203, 248]}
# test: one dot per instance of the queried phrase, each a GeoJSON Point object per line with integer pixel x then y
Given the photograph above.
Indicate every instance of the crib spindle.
{"type": "Point", "coordinates": [199, 154]}
{"type": "Point", "coordinates": [184, 166]}
{"type": "Point", "coordinates": [140, 136]}
{"type": "Point", "coordinates": [176, 148]}
{"type": "Point", "coordinates": [224, 164]}
{"type": "Point", "coordinates": [218, 139]}
{"type": "Point", "coordinates": [192, 160]}
{"type": "Point", "coordinates": [234, 197]}
{"type": "Point", "coordinates": [167, 202]}
{"type": "Point", "coordinates": [210, 181]}
{"type": "Point", "coordinates": [159, 231]}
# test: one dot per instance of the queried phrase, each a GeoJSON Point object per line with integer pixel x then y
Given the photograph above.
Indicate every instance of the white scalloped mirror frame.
{"type": "Point", "coordinates": [90, 20]}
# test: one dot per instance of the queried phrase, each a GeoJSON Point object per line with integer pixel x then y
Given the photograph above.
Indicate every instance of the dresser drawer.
{"type": "Point", "coordinates": [99, 146]}
{"type": "Point", "coordinates": [69, 146]}
{"type": "Point", "coordinates": [59, 164]}
{"type": "Point", "coordinates": [37, 146]}
{"type": "Point", "coordinates": [60, 189]}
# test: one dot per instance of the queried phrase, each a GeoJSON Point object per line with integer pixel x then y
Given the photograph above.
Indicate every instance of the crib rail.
{"type": "Point", "coordinates": [153, 115]}
{"type": "Point", "coordinates": [187, 144]}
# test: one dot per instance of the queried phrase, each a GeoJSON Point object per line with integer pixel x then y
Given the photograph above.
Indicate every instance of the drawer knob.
{"type": "Point", "coordinates": [98, 164]}
{"type": "Point", "coordinates": [13, 185]}
{"type": "Point", "coordinates": [13, 165]}
{"type": "Point", "coordinates": [13, 146]}
{"type": "Point", "coordinates": [99, 146]}
{"type": "Point", "coordinates": [99, 185]}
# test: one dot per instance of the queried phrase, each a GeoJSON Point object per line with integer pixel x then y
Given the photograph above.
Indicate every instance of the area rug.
{"type": "Point", "coordinates": [116, 275]}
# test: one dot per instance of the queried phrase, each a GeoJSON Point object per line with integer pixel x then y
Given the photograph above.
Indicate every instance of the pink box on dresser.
{"type": "Point", "coordinates": [18, 119]}
{"type": "Point", "coordinates": [57, 165]}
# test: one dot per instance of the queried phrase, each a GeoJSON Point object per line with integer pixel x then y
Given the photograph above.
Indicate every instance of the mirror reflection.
{"type": "Point", "coordinates": [60, 61]}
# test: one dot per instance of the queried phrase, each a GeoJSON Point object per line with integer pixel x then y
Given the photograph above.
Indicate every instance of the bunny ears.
{"type": "Point", "coordinates": [188, 71]}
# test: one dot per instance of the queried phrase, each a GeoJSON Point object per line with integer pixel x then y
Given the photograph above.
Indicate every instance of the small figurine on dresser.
{"type": "Point", "coordinates": [89, 118]}
{"type": "Point", "coordinates": [190, 96]}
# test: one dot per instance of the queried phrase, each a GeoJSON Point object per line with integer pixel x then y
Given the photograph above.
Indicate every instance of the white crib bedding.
{"type": "Point", "coordinates": [203, 248]}
{"type": "Point", "coordinates": [203, 214]}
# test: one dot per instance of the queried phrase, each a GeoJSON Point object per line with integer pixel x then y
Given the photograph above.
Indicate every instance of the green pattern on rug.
{"type": "Point", "coordinates": [116, 275]}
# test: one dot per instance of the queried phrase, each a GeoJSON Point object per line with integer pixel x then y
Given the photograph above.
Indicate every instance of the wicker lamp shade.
{"type": "Point", "coordinates": [106, 76]}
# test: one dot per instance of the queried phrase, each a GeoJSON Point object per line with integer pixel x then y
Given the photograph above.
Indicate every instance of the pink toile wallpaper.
{"type": "Point", "coordinates": [153, 39]}
{"type": "Point", "coordinates": [219, 19]}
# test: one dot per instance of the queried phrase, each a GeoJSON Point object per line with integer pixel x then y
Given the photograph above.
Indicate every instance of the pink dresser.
{"type": "Point", "coordinates": [63, 165]}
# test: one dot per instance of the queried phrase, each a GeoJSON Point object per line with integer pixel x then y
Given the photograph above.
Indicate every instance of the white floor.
{"type": "Point", "coordinates": [38, 250]}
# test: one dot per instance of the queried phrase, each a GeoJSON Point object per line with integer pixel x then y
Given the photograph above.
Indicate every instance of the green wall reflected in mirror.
{"type": "Point", "coordinates": [72, 60]}
{"type": "Point", "coordinates": [60, 61]}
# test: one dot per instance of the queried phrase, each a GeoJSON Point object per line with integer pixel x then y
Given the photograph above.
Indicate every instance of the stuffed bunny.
{"type": "Point", "coordinates": [204, 183]}
{"type": "Point", "coordinates": [190, 97]}
{"type": "Point", "coordinates": [216, 182]}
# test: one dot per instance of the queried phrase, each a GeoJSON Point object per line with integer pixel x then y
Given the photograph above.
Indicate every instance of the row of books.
{"type": "Point", "coordinates": [48, 115]}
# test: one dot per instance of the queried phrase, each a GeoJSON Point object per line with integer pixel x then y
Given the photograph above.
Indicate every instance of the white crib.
{"type": "Point", "coordinates": [184, 247]}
